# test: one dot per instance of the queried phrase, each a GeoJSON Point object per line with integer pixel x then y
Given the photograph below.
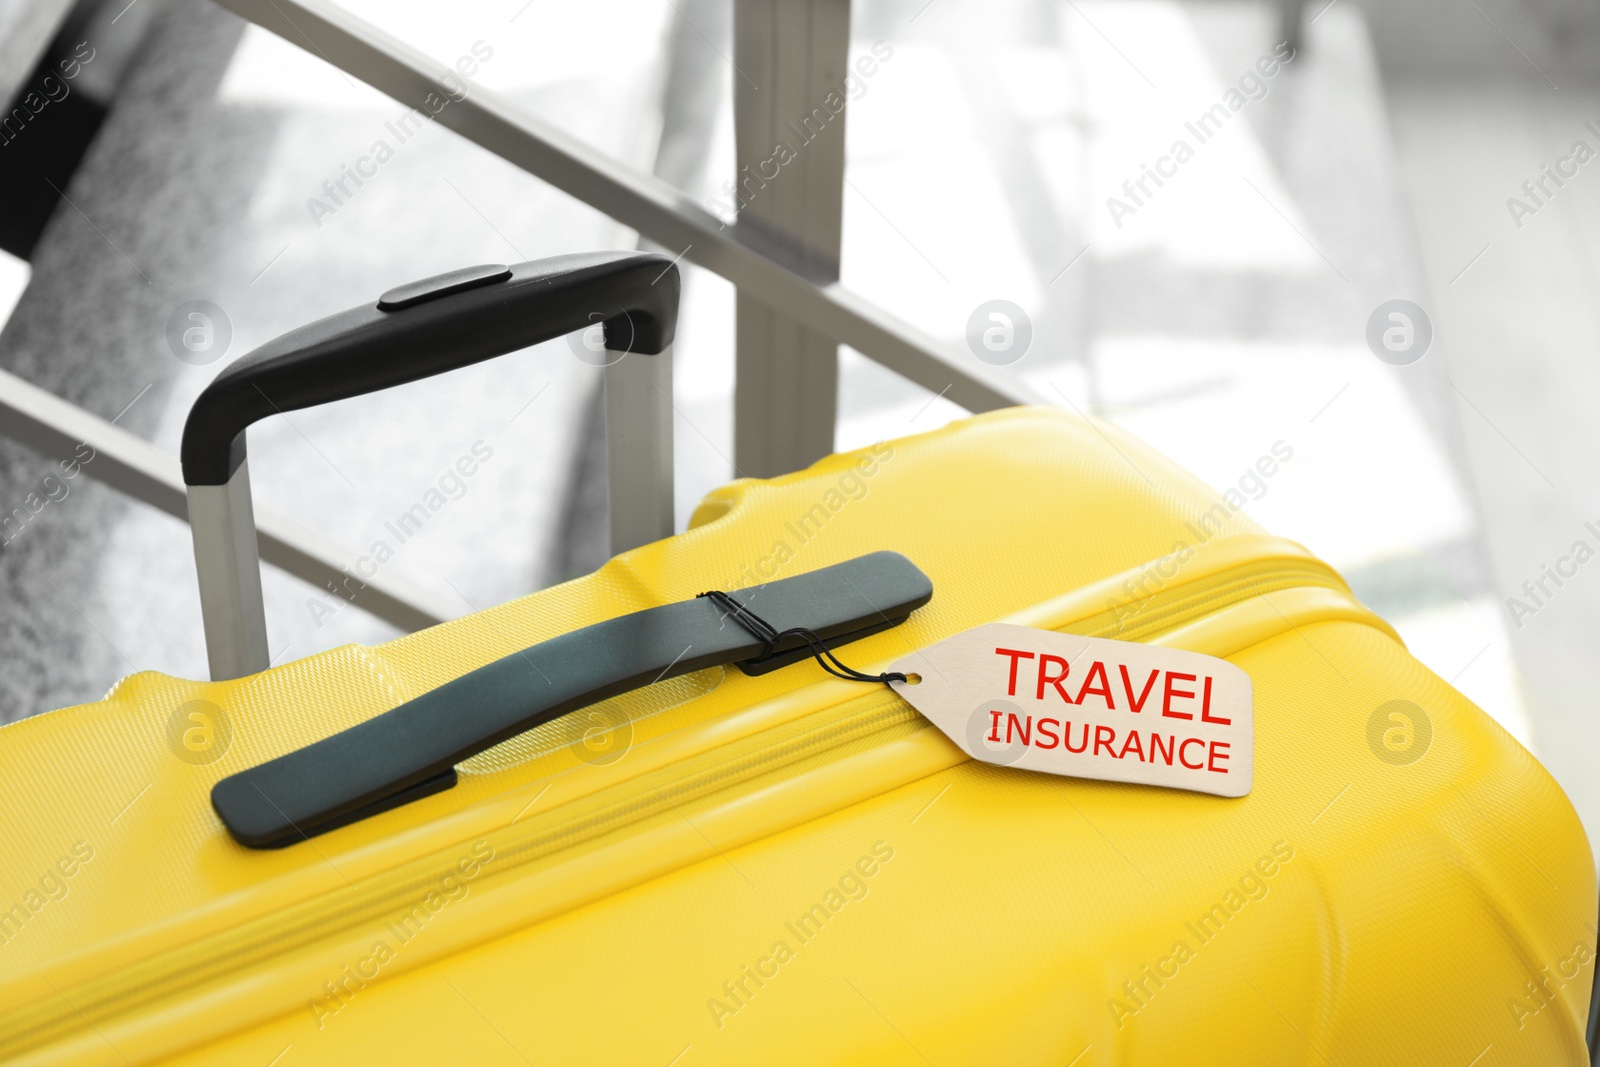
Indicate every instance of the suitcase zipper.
{"type": "Point", "coordinates": [677, 790]}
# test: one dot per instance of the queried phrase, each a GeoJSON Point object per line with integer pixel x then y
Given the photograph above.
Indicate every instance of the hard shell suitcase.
{"type": "Point", "coordinates": [780, 866]}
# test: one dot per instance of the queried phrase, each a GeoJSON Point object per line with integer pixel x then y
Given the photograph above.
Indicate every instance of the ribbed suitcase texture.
{"type": "Point", "coordinates": [793, 869]}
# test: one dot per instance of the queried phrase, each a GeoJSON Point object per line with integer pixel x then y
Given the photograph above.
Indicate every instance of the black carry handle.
{"type": "Point", "coordinates": [426, 328]}
{"type": "Point", "coordinates": [411, 751]}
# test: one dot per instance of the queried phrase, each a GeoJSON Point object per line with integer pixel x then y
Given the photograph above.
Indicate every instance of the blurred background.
{"type": "Point", "coordinates": [1220, 301]}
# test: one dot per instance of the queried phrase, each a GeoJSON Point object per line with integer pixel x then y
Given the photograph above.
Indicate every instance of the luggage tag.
{"type": "Point", "coordinates": [1088, 707]}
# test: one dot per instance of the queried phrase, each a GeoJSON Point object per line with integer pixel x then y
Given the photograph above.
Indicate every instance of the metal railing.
{"type": "Point", "coordinates": [130, 464]}
{"type": "Point", "coordinates": [772, 257]}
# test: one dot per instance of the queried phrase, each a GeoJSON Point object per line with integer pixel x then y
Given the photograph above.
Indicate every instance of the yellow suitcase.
{"type": "Point", "coordinates": [792, 868]}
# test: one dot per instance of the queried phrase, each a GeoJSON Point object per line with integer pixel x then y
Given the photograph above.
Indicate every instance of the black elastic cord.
{"type": "Point", "coordinates": [770, 636]}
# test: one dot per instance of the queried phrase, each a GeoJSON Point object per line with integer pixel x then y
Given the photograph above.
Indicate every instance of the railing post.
{"type": "Point", "coordinates": [791, 57]}
{"type": "Point", "coordinates": [1292, 23]}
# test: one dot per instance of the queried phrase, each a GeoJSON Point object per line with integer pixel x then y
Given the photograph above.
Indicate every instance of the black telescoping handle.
{"type": "Point", "coordinates": [411, 751]}
{"type": "Point", "coordinates": [426, 328]}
